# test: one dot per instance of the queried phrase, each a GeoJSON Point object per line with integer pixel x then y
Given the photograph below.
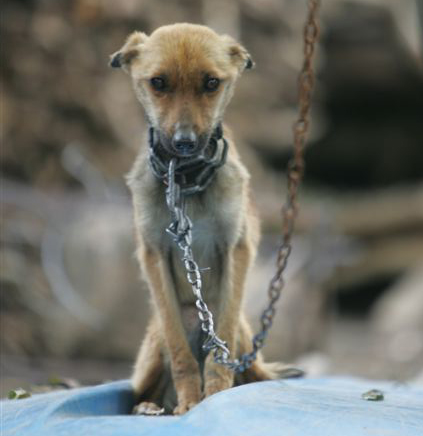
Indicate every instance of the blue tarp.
{"type": "Point", "coordinates": [298, 407]}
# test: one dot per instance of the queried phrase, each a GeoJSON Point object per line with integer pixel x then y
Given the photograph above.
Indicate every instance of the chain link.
{"type": "Point", "coordinates": [181, 227]}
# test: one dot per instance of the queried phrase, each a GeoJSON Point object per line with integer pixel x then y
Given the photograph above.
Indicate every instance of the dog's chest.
{"type": "Point", "coordinates": [216, 216]}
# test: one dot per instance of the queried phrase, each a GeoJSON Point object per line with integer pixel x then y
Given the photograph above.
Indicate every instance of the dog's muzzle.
{"type": "Point", "coordinates": [185, 142]}
{"type": "Point", "coordinates": [193, 172]}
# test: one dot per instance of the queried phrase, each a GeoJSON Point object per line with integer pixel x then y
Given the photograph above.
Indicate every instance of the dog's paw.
{"type": "Point", "coordinates": [188, 390]}
{"type": "Point", "coordinates": [147, 408]}
{"type": "Point", "coordinates": [217, 384]}
{"type": "Point", "coordinates": [216, 377]}
{"type": "Point", "coordinates": [183, 407]}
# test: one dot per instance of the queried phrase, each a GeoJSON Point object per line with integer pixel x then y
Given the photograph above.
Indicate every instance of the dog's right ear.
{"type": "Point", "coordinates": [129, 51]}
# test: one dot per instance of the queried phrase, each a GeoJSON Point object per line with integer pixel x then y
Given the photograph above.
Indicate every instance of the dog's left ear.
{"type": "Point", "coordinates": [129, 51]}
{"type": "Point", "coordinates": [238, 54]}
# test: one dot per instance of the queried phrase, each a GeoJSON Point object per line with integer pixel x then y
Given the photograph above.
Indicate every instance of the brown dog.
{"type": "Point", "coordinates": [184, 76]}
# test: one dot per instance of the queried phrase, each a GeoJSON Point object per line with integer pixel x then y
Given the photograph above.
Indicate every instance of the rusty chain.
{"type": "Point", "coordinates": [300, 128]}
{"type": "Point", "coordinates": [294, 176]}
{"type": "Point", "coordinates": [295, 173]}
{"type": "Point", "coordinates": [181, 226]}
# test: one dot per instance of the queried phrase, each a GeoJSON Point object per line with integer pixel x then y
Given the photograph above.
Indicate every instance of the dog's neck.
{"type": "Point", "coordinates": [194, 173]}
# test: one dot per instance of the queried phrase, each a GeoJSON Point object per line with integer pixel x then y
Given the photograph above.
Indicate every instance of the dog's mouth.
{"type": "Point", "coordinates": [194, 170]}
{"type": "Point", "coordinates": [184, 146]}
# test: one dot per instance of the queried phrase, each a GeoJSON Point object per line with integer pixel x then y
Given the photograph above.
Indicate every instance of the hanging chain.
{"type": "Point", "coordinates": [181, 227]}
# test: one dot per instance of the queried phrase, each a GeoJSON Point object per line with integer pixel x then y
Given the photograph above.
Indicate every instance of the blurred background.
{"type": "Point", "coordinates": [73, 303]}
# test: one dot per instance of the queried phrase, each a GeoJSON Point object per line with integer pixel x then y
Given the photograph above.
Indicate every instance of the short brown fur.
{"type": "Point", "coordinates": [226, 229]}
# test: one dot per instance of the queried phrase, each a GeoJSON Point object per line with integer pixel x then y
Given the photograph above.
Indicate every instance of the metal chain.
{"type": "Point", "coordinates": [181, 227]}
{"type": "Point", "coordinates": [204, 165]}
{"type": "Point", "coordinates": [181, 231]}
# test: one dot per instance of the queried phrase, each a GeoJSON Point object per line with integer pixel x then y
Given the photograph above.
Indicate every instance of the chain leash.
{"type": "Point", "coordinates": [181, 232]}
{"type": "Point", "coordinates": [181, 227]}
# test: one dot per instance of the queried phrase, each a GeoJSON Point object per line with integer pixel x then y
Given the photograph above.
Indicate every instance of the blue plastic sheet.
{"type": "Point", "coordinates": [302, 407]}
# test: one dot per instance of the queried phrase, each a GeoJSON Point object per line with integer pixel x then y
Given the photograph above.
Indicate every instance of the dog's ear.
{"type": "Point", "coordinates": [130, 50]}
{"type": "Point", "coordinates": [238, 54]}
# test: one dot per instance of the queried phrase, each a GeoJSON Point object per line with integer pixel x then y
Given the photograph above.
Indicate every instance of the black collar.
{"type": "Point", "coordinates": [193, 173]}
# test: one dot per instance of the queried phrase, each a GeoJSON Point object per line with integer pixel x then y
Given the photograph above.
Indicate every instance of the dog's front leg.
{"type": "Point", "coordinates": [217, 377]}
{"type": "Point", "coordinates": [185, 370]}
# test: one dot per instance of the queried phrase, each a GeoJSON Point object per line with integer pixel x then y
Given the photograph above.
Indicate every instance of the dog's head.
{"type": "Point", "coordinates": [184, 76]}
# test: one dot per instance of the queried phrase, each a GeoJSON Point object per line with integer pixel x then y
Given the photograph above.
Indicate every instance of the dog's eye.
{"type": "Point", "coordinates": [211, 84]}
{"type": "Point", "coordinates": [158, 83]}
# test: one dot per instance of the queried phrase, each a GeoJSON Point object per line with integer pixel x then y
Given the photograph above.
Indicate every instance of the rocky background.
{"type": "Point", "coordinates": [72, 301]}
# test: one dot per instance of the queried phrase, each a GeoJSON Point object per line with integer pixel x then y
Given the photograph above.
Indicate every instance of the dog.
{"type": "Point", "coordinates": [184, 76]}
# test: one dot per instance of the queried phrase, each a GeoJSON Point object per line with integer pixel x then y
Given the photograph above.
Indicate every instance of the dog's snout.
{"type": "Point", "coordinates": [184, 141]}
{"type": "Point", "coordinates": [184, 146]}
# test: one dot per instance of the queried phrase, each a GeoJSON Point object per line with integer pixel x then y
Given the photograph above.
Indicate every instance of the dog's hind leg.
{"type": "Point", "coordinates": [260, 370]}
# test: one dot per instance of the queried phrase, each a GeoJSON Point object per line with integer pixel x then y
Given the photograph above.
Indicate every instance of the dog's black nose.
{"type": "Point", "coordinates": [184, 142]}
{"type": "Point", "coordinates": [184, 146]}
